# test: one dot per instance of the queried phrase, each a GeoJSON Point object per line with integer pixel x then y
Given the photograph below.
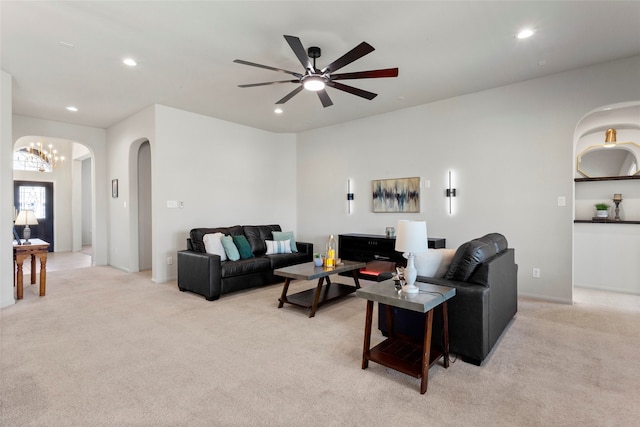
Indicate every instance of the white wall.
{"type": "Point", "coordinates": [123, 139]}
{"type": "Point", "coordinates": [510, 148]}
{"type": "Point", "coordinates": [223, 174]}
{"type": "Point", "coordinates": [6, 192]}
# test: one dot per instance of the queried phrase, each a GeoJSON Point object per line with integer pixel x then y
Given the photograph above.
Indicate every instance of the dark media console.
{"type": "Point", "coordinates": [370, 248]}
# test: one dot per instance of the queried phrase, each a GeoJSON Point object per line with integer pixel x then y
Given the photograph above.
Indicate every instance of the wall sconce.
{"type": "Point", "coordinates": [450, 194]}
{"type": "Point", "coordinates": [349, 196]}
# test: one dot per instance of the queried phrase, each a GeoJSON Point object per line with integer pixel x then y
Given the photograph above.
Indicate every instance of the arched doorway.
{"type": "Point", "coordinates": [73, 185]}
{"type": "Point", "coordinates": [144, 207]}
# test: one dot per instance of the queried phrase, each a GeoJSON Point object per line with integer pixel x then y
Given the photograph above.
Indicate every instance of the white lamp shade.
{"type": "Point", "coordinates": [26, 217]}
{"type": "Point", "coordinates": [411, 236]}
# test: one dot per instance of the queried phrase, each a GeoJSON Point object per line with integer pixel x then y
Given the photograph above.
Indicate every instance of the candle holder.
{"type": "Point", "coordinates": [617, 198]}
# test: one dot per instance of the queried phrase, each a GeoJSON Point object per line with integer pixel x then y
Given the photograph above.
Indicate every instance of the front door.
{"type": "Point", "coordinates": [38, 197]}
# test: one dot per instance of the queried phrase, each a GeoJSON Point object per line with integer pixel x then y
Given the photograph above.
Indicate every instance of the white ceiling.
{"type": "Point", "coordinates": [185, 52]}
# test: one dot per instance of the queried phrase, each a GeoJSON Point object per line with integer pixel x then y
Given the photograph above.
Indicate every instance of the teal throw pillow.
{"type": "Point", "coordinates": [243, 246]}
{"type": "Point", "coordinates": [230, 248]}
{"type": "Point", "coordinates": [285, 235]}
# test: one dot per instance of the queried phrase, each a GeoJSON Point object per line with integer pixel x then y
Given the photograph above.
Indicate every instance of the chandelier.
{"type": "Point", "coordinates": [36, 157]}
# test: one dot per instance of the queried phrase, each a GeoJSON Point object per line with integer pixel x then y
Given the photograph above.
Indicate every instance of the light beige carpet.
{"type": "Point", "coordinates": [107, 348]}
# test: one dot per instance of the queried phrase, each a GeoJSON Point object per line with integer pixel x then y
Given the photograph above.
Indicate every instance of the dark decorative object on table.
{"type": "Point", "coordinates": [16, 236]}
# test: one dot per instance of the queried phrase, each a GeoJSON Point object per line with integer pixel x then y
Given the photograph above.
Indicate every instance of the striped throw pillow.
{"type": "Point", "coordinates": [278, 247]}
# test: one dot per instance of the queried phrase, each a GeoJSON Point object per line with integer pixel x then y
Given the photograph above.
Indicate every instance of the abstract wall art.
{"type": "Point", "coordinates": [396, 195]}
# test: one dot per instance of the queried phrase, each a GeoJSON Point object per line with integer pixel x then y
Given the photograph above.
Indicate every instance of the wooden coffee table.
{"type": "Point", "coordinates": [313, 298]}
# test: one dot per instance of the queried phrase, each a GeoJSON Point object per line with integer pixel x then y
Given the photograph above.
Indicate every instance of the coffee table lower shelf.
{"type": "Point", "coordinates": [327, 293]}
{"type": "Point", "coordinates": [402, 355]}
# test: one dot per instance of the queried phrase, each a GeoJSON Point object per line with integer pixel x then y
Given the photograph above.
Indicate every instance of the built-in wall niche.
{"type": "Point", "coordinates": [608, 162]}
{"type": "Point", "coordinates": [605, 252]}
{"type": "Point", "coordinates": [588, 193]}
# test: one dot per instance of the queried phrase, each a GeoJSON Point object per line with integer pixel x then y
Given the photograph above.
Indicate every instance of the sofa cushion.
{"type": "Point", "coordinates": [285, 260]}
{"type": "Point", "coordinates": [257, 235]}
{"type": "Point", "coordinates": [434, 262]}
{"type": "Point", "coordinates": [242, 244]}
{"type": "Point", "coordinates": [245, 266]}
{"type": "Point", "coordinates": [230, 248]}
{"type": "Point", "coordinates": [278, 247]}
{"type": "Point", "coordinates": [468, 257]}
{"type": "Point", "coordinates": [286, 235]}
{"type": "Point", "coordinates": [213, 245]}
{"type": "Point", "coordinates": [197, 235]}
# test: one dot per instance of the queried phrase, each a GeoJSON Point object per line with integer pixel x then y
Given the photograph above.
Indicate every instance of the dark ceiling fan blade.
{"type": "Point", "coordinates": [298, 49]}
{"type": "Point", "coordinates": [357, 52]}
{"type": "Point", "coordinates": [253, 64]}
{"type": "Point", "coordinates": [353, 90]}
{"type": "Point", "coordinates": [324, 98]}
{"type": "Point", "coordinates": [269, 83]}
{"type": "Point", "coordinates": [371, 74]}
{"type": "Point", "coordinates": [290, 95]}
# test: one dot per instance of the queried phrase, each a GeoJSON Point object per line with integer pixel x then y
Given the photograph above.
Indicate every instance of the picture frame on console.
{"type": "Point", "coordinates": [398, 195]}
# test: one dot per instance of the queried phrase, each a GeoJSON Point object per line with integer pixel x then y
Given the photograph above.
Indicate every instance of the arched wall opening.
{"type": "Point", "coordinates": [140, 218]}
{"type": "Point", "coordinates": [73, 195]}
{"type": "Point", "coordinates": [606, 251]}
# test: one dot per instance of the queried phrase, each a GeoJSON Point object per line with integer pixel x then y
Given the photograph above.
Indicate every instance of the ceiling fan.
{"type": "Point", "coordinates": [317, 80]}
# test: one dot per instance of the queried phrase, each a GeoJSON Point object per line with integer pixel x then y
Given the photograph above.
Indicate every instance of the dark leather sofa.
{"type": "Point", "coordinates": [484, 273]}
{"type": "Point", "coordinates": [207, 275]}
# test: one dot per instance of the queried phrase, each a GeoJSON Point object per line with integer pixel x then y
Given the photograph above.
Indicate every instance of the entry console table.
{"type": "Point", "coordinates": [37, 249]}
{"type": "Point", "coordinates": [374, 247]}
{"type": "Point", "coordinates": [399, 352]}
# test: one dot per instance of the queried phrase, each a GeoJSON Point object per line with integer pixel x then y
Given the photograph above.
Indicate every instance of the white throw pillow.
{"type": "Point", "coordinates": [278, 247]}
{"type": "Point", "coordinates": [213, 245]}
{"type": "Point", "coordinates": [434, 262]}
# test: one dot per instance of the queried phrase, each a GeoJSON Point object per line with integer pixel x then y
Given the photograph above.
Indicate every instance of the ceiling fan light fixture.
{"type": "Point", "coordinates": [314, 83]}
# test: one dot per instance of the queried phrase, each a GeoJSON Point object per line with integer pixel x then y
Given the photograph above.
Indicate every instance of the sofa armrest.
{"type": "Point", "coordinates": [200, 273]}
{"type": "Point", "coordinates": [305, 248]}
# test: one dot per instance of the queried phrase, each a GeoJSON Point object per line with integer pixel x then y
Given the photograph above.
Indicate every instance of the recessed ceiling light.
{"type": "Point", "coordinates": [525, 34]}
{"type": "Point", "coordinates": [130, 62]}
{"type": "Point", "coordinates": [278, 111]}
{"type": "Point", "coordinates": [72, 108]}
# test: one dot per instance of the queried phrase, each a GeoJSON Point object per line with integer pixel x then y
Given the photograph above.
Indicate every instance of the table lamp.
{"type": "Point", "coordinates": [411, 238]}
{"type": "Point", "coordinates": [26, 218]}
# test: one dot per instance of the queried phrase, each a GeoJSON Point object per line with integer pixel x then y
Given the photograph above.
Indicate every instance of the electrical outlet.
{"type": "Point", "coordinates": [169, 260]}
{"type": "Point", "coordinates": [562, 201]}
{"type": "Point", "coordinates": [536, 272]}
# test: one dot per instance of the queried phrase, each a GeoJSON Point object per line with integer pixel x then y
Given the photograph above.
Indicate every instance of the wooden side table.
{"type": "Point", "coordinates": [398, 352]}
{"type": "Point", "coordinates": [37, 249]}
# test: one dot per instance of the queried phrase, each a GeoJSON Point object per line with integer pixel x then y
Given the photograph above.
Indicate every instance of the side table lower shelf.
{"type": "Point", "coordinates": [403, 356]}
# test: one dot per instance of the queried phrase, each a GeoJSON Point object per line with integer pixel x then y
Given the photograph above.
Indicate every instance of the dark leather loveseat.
{"type": "Point", "coordinates": [205, 273]}
{"type": "Point", "coordinates": [484, 273]}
